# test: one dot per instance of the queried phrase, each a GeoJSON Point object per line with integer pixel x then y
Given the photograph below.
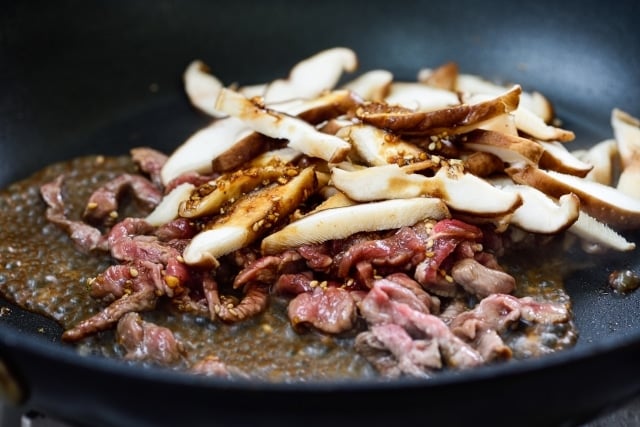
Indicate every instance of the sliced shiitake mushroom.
{"type": "Point", "coordinates": [444, 77]}
{"type": "Point", "coordinates": [629, 180]}
{"type": "Point", "coordinates": [511, 149]}
{"type": "Point", "coordinates": [341, 222]}
{"type": "Point", "coordinates": [202, 88]}
{"type": "Point", "coordinates": [167, 209]}
{"type": "Point", "coordinates": [420, 97]}
{"type": "Point", "coordinates": [601, 201]}
{"type": "Point", "coordinates": [532, 101]}
{"type": "Point", "coordinates": [459, 190]}
{"type": "Point", "coordinates": [372, 85]}
{"type": "Point", "coordinates": [533, 125]}
{"type": "Point", "coordinates": [376, 147]}
{"type": "Point", "coordinates": [596, 232]}
{"type": "Point", "coordinates": [452, 120]}
{"type": "Point", "coordinates": [209, 198]}
{"type": "Point", "coordinates": [312, 76]}
{"type": "Point", "coordinates": [196, 153]}
{"type": "Point", "coordinates": [540, 213]}
{"type": "Point", "coordinates": [603, 157]}
{"type": "Point", "coordinates": [300, 135]}
{"type": "Point", "coordinates": [626, 130]}
{"type": "Point", "coordinates": [556, 157]}
{"type": "Point", "coordinates": [248, 219]}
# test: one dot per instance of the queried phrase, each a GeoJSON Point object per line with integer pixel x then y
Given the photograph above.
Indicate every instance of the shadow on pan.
{"type": "Point", "coordinates": [80, 78]}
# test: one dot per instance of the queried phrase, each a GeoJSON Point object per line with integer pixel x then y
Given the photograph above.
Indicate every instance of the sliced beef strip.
{"type": "Point", "coordinates": [146, 341]}
{"type": "Point", "coordinates": [137, 301]}
{"type": "Point", "coordinates": [267, 269]}
{"type": "Point", "coordinates": [102, 207]}
{"type": "Point", "coordinates": [432, 302]}
{"type": "Point", "coordinates": [149, 161]}
{"type": "Point", "coordinates": [212, 366]}
{"type": "Point", "coordinates": [483, 325]}
{"type": "Point", "coordinates": [377, 354]}
{"type": "Point", "coordinates": [481, 281]}
{"type": "Point", "coordinates": [294, 283]}
{"type": "Point", "coordinates": [415, 357]}
{"type": "Point", "coordinates": [85, 237]}
{"type": "Point", "coordinates": [379, 308]}
{"type": "Point", "coordinates": [402, 250]}
{"type": "Point", "coordinates": [254, 302]}
{"type": "Point", "coordinates": [331, 310]}
{"type": "Point", "coordinates": [446, 236]}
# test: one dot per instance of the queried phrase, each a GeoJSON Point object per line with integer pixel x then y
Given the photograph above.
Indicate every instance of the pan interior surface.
{"type": "Point", "coordinates": [103, 81]}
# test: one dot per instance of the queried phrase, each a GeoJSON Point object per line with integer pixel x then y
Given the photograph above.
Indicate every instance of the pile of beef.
{"type": "Point", "coordinates": [416, 299]}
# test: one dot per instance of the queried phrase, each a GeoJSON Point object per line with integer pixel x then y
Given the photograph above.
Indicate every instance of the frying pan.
{"type": "Point", "coordinates": [96, 77]}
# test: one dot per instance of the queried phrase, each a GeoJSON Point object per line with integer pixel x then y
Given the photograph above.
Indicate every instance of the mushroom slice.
{"type": "Point", "coordinates": [342, 222]}
{"type": "Point", "coordinates": [601, 201]}
{"type": "Point", "coordinates": [556, 157]}
{"type": "Point", "coordinates": [532, 101]}
{"type": "Point", "coordinates": [301, 135]}
{"type": "Point", "coordinates": [504, 123]}
{"type": "Point", "coordinates": [377, 147]}
{"type": "Point", "coordinates": [443, 77]}
{"type": "Point", "coordinates": [420, 97]}
{"type": "Point", "coordinates": [209, 198]}
{"type": "Point", "coordinates": [540, 213]}
{"type": "Point", "coordinates": [167, 209]}
{"type": "Point", "coordinates": [372, 85]}
{"type": "Point", "coordinates": [324, 107]}
{"type": "Point", "coordinates": [251, 91]}
{"type": "Point", "coordinates": [460, 191]}
{"type": "Point", "coordinates": [278, 156]}
{"type": "Point", "coordinates": [594, 231]}
{"type": "Point", "coordinates": [241, 151]}
{"type": "Point", "coordinates": [248, 219]}
{"type": "Point", "coordinates": [511, 149]}
{"type": "Point", "coordinates": [629, 180]}
{"type": "Point", "coordinates": [626, 130]}
{"type": "Point", "coordinates": [336, 200]}
{"type": "Point", "coordinates": [533, 125]}
{"type": "Point", "coordinates": [457, 119]}
{"type": "Point", "coordinates": [603, 157]}
{"type": "Point", "coordinates": [483, 164]}
{"type": "Point", "coordinates": [312, 76]}
{"type": "Point", "coordinates": [196, 152]}
{"type": "Point", "coordinates": [202, 88]}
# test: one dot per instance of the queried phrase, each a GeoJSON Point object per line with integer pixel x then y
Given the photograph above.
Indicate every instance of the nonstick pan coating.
{"type": "Point", "coordinates": [79, 78]}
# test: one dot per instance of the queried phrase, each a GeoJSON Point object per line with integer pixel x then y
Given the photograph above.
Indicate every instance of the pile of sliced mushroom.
{"type": "Point", "coordinates": [385, 154]}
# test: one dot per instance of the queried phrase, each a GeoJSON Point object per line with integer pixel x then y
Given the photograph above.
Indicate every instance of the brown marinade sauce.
{"type": "Point", "coordinates": [41, 271]}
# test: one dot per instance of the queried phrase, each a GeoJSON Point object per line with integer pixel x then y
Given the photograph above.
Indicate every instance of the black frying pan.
{"type": "Point", "coordinates": [75, 78]}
